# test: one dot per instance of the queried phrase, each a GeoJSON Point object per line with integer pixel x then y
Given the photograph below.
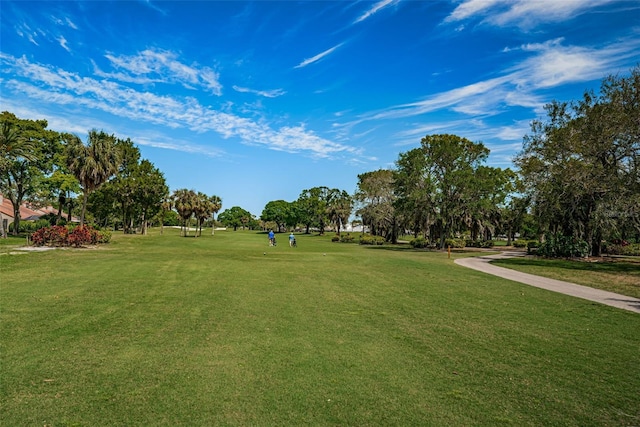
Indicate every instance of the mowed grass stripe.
{"type": "Point", "coordinates": [166, 330]}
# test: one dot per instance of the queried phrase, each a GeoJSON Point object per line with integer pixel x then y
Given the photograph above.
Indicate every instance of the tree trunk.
{"type": "Point", "coordinates": [16, 219]}
{"type": "Point", "coordinates": [144, 224]}
{"type": "Point", "coordinates": [596, 244]}
{"type": "Point", "coordinates": [61, 201]}
{"type": "Point", "coordinates": [84, 207]}
{"type": "Point", "coordinates": [70, 206]}
{"type": "Point", "coordinates": [3, 232]}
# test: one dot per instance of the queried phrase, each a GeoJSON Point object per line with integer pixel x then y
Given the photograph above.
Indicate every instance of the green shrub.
{"type": "Point", "coordinates": [559, 246]}
{"type": "Point", "coordinates": [419, 242]}
{"type": "Point", "coordinates": [478, 243]}
{"type": "Point", "coordinates": [103, 236]}
{"type": "Point", "coordinates": [454, 243]}
{"type": "Point", "coordinates": [335, 239]}
{"type": "Point", "coordinates": [367, 239]}
{"type": "Point", "coordinates": [532, 246]}
{"type": "Point", "coordinates": [632, 249]}
{"type": "Point", "coordinates": [520, 243]}
{"type": "Point", "coordinates": [346, 238]}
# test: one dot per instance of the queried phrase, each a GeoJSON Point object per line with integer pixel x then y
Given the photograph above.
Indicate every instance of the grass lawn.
{"type": "Point", "coordinates": [224, 330]}
{"type": "Point", "coordinates": [621, 275]}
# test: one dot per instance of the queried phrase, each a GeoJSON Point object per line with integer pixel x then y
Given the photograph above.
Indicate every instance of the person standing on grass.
{"type": "Point", "coordinates": [292, 239]}
{"type": "Point", "coordinates": [272, 237]}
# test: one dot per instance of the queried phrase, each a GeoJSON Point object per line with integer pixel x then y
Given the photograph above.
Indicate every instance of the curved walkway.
{"type": "Point", "coordinates": [481, 263]}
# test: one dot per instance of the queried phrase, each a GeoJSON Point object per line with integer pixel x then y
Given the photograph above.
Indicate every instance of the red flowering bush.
{"type": "Point", "coordinates": [80, 236]}
{"type": "Point", "coordinates": [55, 235]}
{"type": "Point", "coordinates": [59, 235]}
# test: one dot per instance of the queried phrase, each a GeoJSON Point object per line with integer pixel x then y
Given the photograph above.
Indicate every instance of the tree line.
{"type": "Point", "coordinates": [577, 176]}
{"type": "Point", "coordinates": [103, 180]}
{"type": "Point", "coordinates": [577, 180]}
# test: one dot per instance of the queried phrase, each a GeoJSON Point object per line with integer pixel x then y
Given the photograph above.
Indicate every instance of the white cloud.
{"type": "Point", "coordinates": [375, 8]}
{"type": "Point", "coordinates": [71, 24]}
{"type": "Point", "coordinates": [522, 13]}
{"type": "Point", "coordinates": [458, 98]}
{"type": "Point", "coordinates": [553, 64]}
{"type": "Point", "coordinates": [162, 66]}
{"type": "Point", "coordinates": [550, 65]}
{"type": "Point", "coordinates": [59, 87]}
{"type": "Point", "coordinates": [469, 8]}
{"type": "Point", "coordinates": [176, 145]}
{"type": "Point", "coordinates": [274, 93]}
{"type": "Point", "coordinates": [63, 43]}
{"type": "Point", "coordinates": [317, 57]}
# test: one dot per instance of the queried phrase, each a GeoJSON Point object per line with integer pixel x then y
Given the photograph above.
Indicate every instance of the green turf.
{"type": "Point", "coordinates": [224, 330]}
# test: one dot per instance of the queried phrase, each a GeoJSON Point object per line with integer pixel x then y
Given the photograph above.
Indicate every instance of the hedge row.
{"type": "Point", "coordinates": [421, 242]}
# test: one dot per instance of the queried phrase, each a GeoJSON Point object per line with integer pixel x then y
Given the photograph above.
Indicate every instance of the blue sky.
{"type": "Point", "coordinates": [257, 101]}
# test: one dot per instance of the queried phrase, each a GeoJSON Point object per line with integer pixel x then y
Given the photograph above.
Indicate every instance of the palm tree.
{"type": "Point", "coordinates": [216, 205]}
{"type": "Point", "coordinates": [92, 164]}
{"type": "Point", "coordinates": [202, 210]}
{"type": "Point", "coordinates": [185, 202]}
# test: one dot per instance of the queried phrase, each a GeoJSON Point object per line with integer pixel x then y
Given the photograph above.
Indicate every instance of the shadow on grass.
{"type": "Point", "coordinates": [610, 266]}
{"type": "Point", "coordinates": [397, 248]}
{"type": "Point", "coordinates": [404, 247]}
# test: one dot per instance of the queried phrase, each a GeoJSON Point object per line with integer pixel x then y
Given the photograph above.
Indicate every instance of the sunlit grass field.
{"type": "Point", "coordinates": [225, 330]}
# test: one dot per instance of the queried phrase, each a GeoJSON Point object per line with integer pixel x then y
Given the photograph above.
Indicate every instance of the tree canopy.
{"type": "Point", "coordinates": [581, 166]}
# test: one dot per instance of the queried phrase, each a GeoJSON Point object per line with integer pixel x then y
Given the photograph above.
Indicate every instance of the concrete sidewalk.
{"type": "Point", "coordinates": [481, 263]}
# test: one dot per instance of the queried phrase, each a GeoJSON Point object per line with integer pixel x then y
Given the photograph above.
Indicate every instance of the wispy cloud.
{"type": "Point", "coordinates": [521, 13]}
{"type": "Point", "coordinates": [550, 65]}
{"type": "Point", "coordinates": [318, 57]}
{"type": "Point", "coordinates": [151, 5]}
{"type": "Point", "coordinates": [375, 8]}
{"type": "Point", "coordinates": [274, 93]}
{"type": "Point", "coordinates": [178, 145]}
{"type": "Point", "coordinates": [63, 43]}
{"type": "Point", "coordinates": [24, 31]}
{"type": "Point", "coordinates": [65, 22]}
{"type": "Point", "coordinates": [60, 87]}
{"type": "Point", "coordinates": [151, 66]}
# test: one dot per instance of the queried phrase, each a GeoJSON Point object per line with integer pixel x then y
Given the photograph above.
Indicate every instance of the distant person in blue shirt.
{"type": "Point", "coordinates": [292, 239]}
{"type": "Point", "coordinates": [272, 238]}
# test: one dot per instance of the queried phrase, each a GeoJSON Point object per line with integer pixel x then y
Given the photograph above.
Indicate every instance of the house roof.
{"type": "Point", "coordinates": [6, 207]}
{"type": "Point", "coordinates": [26, 213]}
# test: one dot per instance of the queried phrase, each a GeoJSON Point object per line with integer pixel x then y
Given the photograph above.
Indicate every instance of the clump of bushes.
{"type": "Point", "coordinates": [520, 243]}
{"type": "Point", "coordinates": [478, 243]}
{"type": "Point", "coordinates": [367, 239]}
{"type": "Point", "coordinates": [346, 238]}
{"type": "Point", "coordinates": [622, 247]}
{"type": "Point", "coordinates": [454, 243]}
{"type": "Point", "coordinates": [419, 243]}
{"type": "Point", "coordinates": [559, 246]}
{"type": "Point", "coordinates": [342, 238]}
{"type": "Point", "coordinates": [532, 246]}
{"type": "Point", "coordinates": [59, 236]}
